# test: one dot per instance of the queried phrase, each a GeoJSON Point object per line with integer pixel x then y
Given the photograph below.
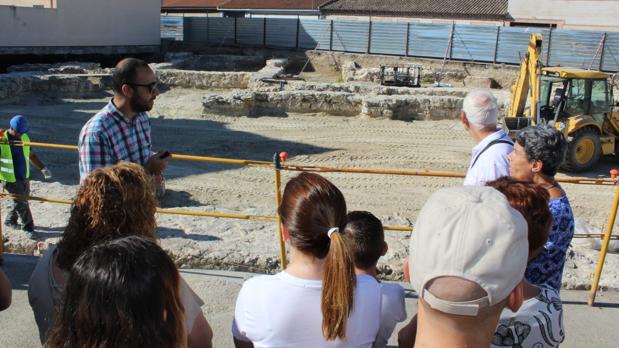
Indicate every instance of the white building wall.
{"type": "Point", "coordinates": [82, 23]}
{"type": "Point", "coordinates": [568, 14]}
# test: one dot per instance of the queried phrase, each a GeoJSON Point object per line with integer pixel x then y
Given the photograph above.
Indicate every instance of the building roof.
{"type": "Point", "coordinates": [469, 9]}
{"type": "Point", "coordinates": [191, 4]}
{"type": "Point", "coordinates": [271, 4]}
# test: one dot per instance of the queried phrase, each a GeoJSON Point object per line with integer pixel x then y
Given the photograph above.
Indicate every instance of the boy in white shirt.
{"type": "Point", "coordinates": [365, 238]}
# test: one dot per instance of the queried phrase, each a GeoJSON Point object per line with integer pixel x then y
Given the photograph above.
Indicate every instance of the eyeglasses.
{"type": "Point", "coordinates": [150, 86]}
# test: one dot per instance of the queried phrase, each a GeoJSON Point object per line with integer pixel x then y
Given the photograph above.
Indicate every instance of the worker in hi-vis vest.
{"type": "Point", "coordinates": [15, 171]}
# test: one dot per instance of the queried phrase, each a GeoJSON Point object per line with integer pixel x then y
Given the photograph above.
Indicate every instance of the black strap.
{"type": "Point", "coordinates": [494, 142]}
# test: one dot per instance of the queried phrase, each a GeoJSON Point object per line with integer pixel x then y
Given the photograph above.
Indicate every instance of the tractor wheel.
{"type": "Point", "coordinates": [583, 151]}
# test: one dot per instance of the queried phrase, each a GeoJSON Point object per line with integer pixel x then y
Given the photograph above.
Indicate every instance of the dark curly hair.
{"type": "Point", "coordinates": [122, 293]}
{"type": "Point", "coordinates": [112, 202]}
{"type": "Point", "coordinates": [545, 144]}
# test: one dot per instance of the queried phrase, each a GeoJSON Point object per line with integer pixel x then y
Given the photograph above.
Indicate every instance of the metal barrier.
{"type": "Point", "coordinates": [464, 42]}
{"type": "Point", "coordinates": [278, 165]}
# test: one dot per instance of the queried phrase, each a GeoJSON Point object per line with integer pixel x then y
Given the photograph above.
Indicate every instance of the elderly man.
{"type": "Point", "coordinates": [466, 266]}
{"type": "Point", "coordinates": [121, 130]}
{"type": "Point", "coordinates": [489, 156]}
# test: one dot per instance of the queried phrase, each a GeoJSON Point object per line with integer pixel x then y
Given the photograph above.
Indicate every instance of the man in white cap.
{"type": "Point", "coordinates": [489, 155]}
{"type": "Point", "coordinates": [15, 171]}
{"type": "Point", "coordinates": [468, 255]}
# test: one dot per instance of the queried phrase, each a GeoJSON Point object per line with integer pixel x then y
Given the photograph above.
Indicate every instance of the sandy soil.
{"type": "Point", "coordinates": [178, 125]}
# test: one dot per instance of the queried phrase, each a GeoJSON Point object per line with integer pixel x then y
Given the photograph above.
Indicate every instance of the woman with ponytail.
{"type": "Point", "coordinates": [317, 301]}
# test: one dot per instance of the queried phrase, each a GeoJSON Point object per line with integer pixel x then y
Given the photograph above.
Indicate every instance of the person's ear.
{"type": "Point", "coordinates": [516, 297]}
{"type": "Point", "coordinates": [126, 90]}
{"type": "Point", "coordinates": [385, 248]}
{"type": "Point", "coordinates": [537, 166]}
{"type": "Point", "coordinates": [464, 120]}
{"type": "Point", "coordinates": [285, 233]}
{"type": "Point", "coordinates": [406, 270]}
{"type": "Point", "coordinates": [165, 315]}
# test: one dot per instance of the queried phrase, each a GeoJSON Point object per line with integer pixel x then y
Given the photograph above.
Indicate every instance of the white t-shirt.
{"type": "Point", "coordinates": [393, 311]}
{"type": "Point", "coordinates": [284, 311]}
{"type": "Point", "coordinates": [537, 324]}
{"type": "Point", "coordinates": [492, 163]}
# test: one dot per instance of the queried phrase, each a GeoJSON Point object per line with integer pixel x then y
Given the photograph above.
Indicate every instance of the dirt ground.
{"type": "Point", "coordinates": [179, 126]}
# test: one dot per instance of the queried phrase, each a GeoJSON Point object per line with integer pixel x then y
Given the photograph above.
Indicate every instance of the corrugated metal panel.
{"type": "Point", "coordinates": [314, 34]}
{"type": "Point", "coordinates": [195, 29]}
{"type": "Point", "coordinates": [575, 48]}
{"type": "Point", "coordinates": [514, 43]}
{"type": "Point", "coordinates": [250, 31]}
{"type": "Point", "coordinates": [172, 27]}
{"type": "Point", "coordinates": [220, 31]}
{"type": "Point", "coordinates": [388, 38]}
{"type": "Point", "coordinates": [281, 32]}
{"type": "Point", "coordinates": [474, 42]}
{"type": "Point", "coordinates": [350, 36]}
{"type": "Point", "coordinates": [428, 40]}
{"type": "Point", "coordinates": [611, 53]}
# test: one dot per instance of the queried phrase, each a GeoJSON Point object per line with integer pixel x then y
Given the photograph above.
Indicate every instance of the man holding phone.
{"type": "Point", "coordinates": [121, 130]}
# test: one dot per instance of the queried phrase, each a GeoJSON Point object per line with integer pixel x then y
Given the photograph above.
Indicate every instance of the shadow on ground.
{"type": "Point", "coordinates": [168, 232]}
{"type": "Point", "coordinates": [59, 122]}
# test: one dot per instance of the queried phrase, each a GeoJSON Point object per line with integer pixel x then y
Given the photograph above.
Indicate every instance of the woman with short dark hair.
{"type": "Point", "coordinates": [537, 156]}
{"type": "Point", "coordinates": [122, 293]}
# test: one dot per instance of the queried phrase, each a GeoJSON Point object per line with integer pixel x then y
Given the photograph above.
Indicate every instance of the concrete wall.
{"type": "Point", "coordinates": [82, 23]}
{"type": "Point", "coordinates": [29, 3]}
{"type": "Point", "coordinates": [568, 14]}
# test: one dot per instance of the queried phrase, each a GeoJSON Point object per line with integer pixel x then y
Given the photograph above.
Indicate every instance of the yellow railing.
{"type": "Point", "coordinates": [279, 164]}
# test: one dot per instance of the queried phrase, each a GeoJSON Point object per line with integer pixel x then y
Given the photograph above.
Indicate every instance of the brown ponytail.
{"type": "Point", "coordinates": [311, 206]}
{"type": "Point", "coordinates": [338, 288]}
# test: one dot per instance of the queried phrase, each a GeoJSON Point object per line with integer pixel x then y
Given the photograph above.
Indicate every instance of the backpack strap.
{"type": "Point", "coordinates": [494, 142]}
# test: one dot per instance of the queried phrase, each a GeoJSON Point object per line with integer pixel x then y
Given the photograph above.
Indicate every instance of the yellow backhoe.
{"type": "Point", "coordinates": [578, 102]}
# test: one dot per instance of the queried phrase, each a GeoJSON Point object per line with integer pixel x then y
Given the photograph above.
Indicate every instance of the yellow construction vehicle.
{"type": "Point", "coordinates": [578, 102]}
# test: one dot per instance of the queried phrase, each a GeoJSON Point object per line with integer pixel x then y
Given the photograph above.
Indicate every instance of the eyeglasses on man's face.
{"type": "Point", "coordinates": [151, 87]}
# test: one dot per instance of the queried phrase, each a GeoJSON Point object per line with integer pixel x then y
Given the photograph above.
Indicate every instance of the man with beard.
{"type": "Point", "coordinates": [121, 130]}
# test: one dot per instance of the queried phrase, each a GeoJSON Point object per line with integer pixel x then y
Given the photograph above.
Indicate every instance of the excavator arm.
{"type": "Point", "coordinates": [528, 83]}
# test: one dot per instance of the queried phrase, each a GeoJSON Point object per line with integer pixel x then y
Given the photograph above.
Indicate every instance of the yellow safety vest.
{"type": "Point", "coordinates": [7, 172]}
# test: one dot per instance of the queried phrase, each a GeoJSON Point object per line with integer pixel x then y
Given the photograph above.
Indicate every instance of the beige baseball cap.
{"type": "Point", "coordinates": [468, 232]}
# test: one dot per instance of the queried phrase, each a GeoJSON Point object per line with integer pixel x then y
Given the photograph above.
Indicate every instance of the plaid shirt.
{"type": "Point", "coordinates": [109, 137]}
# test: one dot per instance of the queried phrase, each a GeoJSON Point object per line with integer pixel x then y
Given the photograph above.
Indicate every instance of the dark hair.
{"type": "Point", "coordinates": [545, 144]}
{"type": "Point", "coordinates": [310, 207]}
{"type": "Point", "coordinates": [126, 72]}
{"type": "Point", "coordinates": [531, 200]}
{"type": "Point", "coordinates": [123, 293]}
{"type": "Point", "coordinates": [365, 238]}
{"type": "Point", "coordinates": [112, 202]}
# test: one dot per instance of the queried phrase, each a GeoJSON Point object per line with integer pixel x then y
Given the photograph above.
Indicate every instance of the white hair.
{"type": "Point", "coordinates": [480, 107]}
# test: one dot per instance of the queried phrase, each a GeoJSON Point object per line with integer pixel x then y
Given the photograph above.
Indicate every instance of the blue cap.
{"type": "Point", "coordinates": [20, 124]}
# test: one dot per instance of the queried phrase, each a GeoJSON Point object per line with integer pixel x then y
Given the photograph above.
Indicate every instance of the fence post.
{"type": "Point", "coordinates": [235, 29]}
{"type": "Point", "coordinates": [369, 48]}
{"type": "Point", "coordinates": [602, 51]}
{"type": "Point", "coordinates": [548, 47]}
{"type": "Point", "coordinates": [208, 31]}
{"type": "Point", "coordinates": [451, 38]}
{"type": "Point", "coordinates": [296, 44]}
{"type": "Point", "coordinates": [604, 249]}
{"type": "Point", "coordinates": [408, 35]}
{"type": "Point", "coordinates": [278, 199]}
{"type": "Point", "coordinates": [496, 44]}
{"type": "Point", "coordinates": [264, 32]}
{"type": "Point", "coordinates": [331, 36]}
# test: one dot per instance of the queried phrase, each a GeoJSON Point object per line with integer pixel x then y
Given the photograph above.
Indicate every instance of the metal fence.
{"type": "Point", "coordinates": [479, 43]}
